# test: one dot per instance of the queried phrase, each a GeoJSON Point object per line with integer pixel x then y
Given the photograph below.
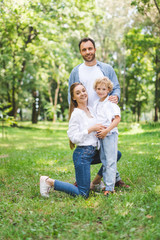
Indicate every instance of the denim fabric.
{"type": "Point", "coordinates": [66, 187]}
{"type": "Point", "coordinates": [100, 172]}
{"type": "Point", "coordinates": [108, 155]}
{"type": "Point", "coordinates": [82, 158]}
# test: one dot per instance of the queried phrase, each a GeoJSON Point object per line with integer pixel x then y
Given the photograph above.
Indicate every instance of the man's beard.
{"type": "Point", "coordinates": [91, 59]}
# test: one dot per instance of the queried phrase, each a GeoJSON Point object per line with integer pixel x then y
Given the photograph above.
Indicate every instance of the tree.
{"type": "Point", "coordinates": [34, 43]}
{"type": "Point", "coordinates": [151, 25]}
{"type": "Point", "coordinates": [113, 20]}
{"type": "Point", "coordinates": [139, 69]}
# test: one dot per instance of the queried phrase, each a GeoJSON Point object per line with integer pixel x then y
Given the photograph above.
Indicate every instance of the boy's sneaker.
{"type": "Point", "coordinates": [44, 187]}
{"type": "Point", "coordinates": [107, 193]}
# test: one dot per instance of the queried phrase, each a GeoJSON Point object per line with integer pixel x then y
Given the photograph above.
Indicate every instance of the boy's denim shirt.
{"type": "Point", "coordinates": [106, 69]}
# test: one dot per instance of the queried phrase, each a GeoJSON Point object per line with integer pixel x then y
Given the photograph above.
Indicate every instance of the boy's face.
{"type": "Point", "coordinates": [102, 91]}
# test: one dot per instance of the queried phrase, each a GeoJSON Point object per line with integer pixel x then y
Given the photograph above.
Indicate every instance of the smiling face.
{"type": "Point", "coordinates": [102, 91]}
{"type": "Point", "coordinates": [88, 51]}
{"type": "Point", "coordinates": [80, 95]}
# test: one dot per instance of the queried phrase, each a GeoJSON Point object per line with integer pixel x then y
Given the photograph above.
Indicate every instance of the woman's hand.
{"type": "Point", "coordinates": [95, 128]}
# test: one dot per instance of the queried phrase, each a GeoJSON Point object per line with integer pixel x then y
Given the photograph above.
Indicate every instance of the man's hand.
{"type": "Point", "coordinates": [113, 99]}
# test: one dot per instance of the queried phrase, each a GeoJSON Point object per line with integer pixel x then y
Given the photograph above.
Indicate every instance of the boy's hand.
{"type": "Point", "coordinates": [102, 133]}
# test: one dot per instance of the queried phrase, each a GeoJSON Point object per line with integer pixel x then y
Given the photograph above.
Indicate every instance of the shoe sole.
{"type": "Point", "coordinates": [42, 183]}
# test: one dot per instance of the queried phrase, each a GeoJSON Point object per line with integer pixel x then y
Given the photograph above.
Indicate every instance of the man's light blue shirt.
{"type": "Point", "coordinates": [106, 69]}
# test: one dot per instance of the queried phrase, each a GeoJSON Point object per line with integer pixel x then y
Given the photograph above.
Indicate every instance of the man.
{"type": "Point", "coordinates": [87, 73]}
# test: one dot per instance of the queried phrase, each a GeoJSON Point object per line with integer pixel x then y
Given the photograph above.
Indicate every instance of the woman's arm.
{"type": "Point", "coordinates": [95, 128]}
{"type": "Point", "coordinates": [75, 135]}
{"type": "Point", "coordinates": [75, 132]}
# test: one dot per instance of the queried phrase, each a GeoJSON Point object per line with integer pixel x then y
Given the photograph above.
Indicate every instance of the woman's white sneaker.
{"type": "Point", "coordinates": [44, 187]}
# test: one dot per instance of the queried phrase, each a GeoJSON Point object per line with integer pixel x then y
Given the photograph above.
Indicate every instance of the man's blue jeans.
{"type": "Point", "coordinates": [83, 157]}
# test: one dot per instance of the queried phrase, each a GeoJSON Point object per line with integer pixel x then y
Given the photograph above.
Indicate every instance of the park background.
{"type": "Point", "coordinates": [38, 49]}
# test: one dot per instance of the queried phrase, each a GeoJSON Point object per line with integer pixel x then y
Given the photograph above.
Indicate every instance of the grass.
{"type": "Point", "coordinates": [30, 150]}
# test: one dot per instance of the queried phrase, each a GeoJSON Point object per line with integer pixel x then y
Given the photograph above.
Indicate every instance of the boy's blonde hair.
{"type": "Point", "coordinates": [104, 80]}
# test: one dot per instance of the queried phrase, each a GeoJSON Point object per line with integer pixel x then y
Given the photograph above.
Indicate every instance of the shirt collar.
{"type": "Point", "coordinates": [106, 99]}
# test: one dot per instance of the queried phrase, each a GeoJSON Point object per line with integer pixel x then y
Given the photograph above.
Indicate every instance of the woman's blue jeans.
{"type": "Point", "coordinates": [83, 157]}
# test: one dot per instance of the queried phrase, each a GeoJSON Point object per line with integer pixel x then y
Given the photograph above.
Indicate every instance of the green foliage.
{"type": "Point", "coordinates": [39, 48]}
{"type": "Point", "coordinates": [149, 40]}
{"type": "Point", "coordinates": [32, 150]}
{"type": "Point", "coordinates": [140, 66]}
{"type": "Point", "coordinates": [35, 45]}
{"type": "Point", "coordinates": [127, 116]}
{"type": "Point", "coordinates": [52, 110]}
{"type": "Point", "coordinates": [5, 119]}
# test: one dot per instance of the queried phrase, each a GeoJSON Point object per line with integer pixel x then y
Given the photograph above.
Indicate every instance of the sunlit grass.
{"type": "Point", "coordinates": [30, 150]}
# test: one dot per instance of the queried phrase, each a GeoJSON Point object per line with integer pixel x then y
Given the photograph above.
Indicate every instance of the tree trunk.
{"type": "Point", "coordinates": [124, 86]}
{"type": "Point", "coordinates": [157, 85]}
{"type": "Point", "coordinates": [138, 110]}
{"type": "Point", "coordinates": [126, 92]}
{"type": "Point", "coordinates": [21, 114]}
{"type": "Point", "coordinates": [14, 105]}
{"type": "Point", "coordinates": [35, 106]}
{"type": "Point", "coordinates": [56, 98]}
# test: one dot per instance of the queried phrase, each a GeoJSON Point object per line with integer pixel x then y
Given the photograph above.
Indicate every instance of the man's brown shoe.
{"type": "Point", "coordinates": [120, 183]}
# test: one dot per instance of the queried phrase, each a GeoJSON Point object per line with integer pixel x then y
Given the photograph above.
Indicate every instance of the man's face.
{"type": "Point", "coordinates": [87, 51]}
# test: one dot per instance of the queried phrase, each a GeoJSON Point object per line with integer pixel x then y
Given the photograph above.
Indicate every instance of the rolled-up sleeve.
{"type": "Point", "coordinates": [74, 77]}
{"type": "Point", "coordinates": [116, 87]}
{"type": "Point", "coordinates": [75, 134]}
{"type": "Point", "coordinates": [116, 109]}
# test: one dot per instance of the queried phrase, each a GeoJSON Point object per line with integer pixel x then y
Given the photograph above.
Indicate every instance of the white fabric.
{"type": "Point", "coordinates": [87, 76]}
{"type": "Point", "coordinates": [106, 111]}
{"type": "Point", "coordinates": [78, 128]}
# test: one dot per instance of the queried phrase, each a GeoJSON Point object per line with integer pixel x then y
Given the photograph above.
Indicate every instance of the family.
{"type": "Point", "coordinates": [94, 115]}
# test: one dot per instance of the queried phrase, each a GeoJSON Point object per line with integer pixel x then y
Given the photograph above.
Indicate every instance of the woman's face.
{"type": "Point", "coordinates": [80, 94]}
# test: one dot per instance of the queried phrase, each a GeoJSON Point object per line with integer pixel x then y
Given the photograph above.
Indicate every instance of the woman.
{"type": "Point", "coordinates": [82, 131]}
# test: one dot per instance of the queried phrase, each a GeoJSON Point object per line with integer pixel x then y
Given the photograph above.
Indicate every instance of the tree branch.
{"type": "Point", "coordinates": [157, 6]}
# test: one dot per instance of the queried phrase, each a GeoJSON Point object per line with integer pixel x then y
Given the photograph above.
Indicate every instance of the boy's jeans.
{"type": "Point", "coordinates": [108, 156]}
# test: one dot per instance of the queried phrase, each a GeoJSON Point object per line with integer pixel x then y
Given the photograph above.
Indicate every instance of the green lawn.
{"type": "Point", "coordinates": [30, 150]}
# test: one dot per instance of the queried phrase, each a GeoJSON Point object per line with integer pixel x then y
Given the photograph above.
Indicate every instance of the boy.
{"type": "Point", "coordinates": [108, 114]}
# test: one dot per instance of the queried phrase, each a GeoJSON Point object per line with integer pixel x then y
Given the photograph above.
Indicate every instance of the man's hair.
{"type": "Point", "coordinates": [86, 40]}
{"type": "Point", "coordinates": [104, 80]}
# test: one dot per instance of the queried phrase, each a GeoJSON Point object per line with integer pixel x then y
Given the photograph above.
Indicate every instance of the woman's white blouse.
{"type": "Point", "coordinates": [79, 124]}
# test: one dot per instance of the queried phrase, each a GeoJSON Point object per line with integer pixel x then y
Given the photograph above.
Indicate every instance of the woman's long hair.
{"type": "Point", "coordinates": [72, 106]}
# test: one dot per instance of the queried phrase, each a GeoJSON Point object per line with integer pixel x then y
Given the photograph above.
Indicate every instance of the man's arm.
{"type": "Point", "coordinates": [71, 80]}
{"type": "Point", "coordinates": [116, 92]}
{"type": "Point", "coordinates": [74, 77]}
{"type": "Point", "coordinates": [109, 72]}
